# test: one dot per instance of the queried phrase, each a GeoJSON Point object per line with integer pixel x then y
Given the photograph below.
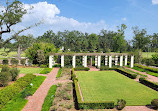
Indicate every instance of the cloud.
{"type": "Point", "coordinates": [154, 2]}
{"type": "Point", "coordinates": [124, 19]}
{"type": "Point", "coordinates": [42, 11]}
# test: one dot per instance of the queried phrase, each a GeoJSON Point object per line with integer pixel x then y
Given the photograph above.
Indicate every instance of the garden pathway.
{"type": "Point", "coordinates": [149, 77]}
{"type": "Point", "coordinates": [92, 68]}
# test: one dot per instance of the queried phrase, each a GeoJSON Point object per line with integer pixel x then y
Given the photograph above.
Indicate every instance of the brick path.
{"type": "Point", "coordinates": [92, 68]}
{"type": "Point", "coordinates": [149, 77]}
{"type": "Point", "coordinates": [35, 102]}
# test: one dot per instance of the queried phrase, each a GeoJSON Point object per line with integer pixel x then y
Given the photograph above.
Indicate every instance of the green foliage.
{"type": "Point", "coordinates": [47, 48]}
{"type": "Point", "coordinates": [155, 58]}
{"type": "Point", "coordinates": [14, 61]}
{"type": "Point", "coordinates": [82, 68]}
{"type": "Point", "coordinates": [121, 104]}
{"type": "Point", "coordinates": [73, 75]}
{"type": "Point", "coordinates": [149, 83]}
{"type": "Point", "coordinates": [154, 103]}
{"type": "Point", "coordinates": [59, 73]}
{"type": "Point", "coordinates": [46, 71]}
{"type": "Point", "coordinates": [14, 73]}
{"type": "Point", "coordinates": [4, 78]}
{"type": "Point", "coordinates": [12, 90]}
{"type": "Point", "coordinates": [5, 69]}
{"type": "Point", "coordinates": [102, 68]}
{"type": "Point", "coordinates": [18, 102]}
{"type": "Point", "coordinates": [43, 66]}
{"type": "Point", "coordinates": [57, 65]}
{"type": "Point", "coordinates": [126, 73]}
{"type": "Point", "coordinates": [23, 61]}
{"type": "Point", "coordinates": [49, 98]}
{"type": "Point", "coordinates": [147, 68]}
{"type": "Point", "coordinates": [148, 61]}
{"type": "Point", "coordinates": [40, 56]}
{"type": "Point", "coordinates": [5, 62]}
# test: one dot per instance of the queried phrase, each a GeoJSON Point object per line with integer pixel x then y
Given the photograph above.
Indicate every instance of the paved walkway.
{"type": "Point", "coordinates": [35, 102]}
{"type": "Point", "coordinates": [149, 77]}
{"type": "Point", "coordinates": [92, 68]}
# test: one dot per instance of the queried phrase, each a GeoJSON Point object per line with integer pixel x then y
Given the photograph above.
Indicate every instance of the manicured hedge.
{"type": "Point", "coordinates": [107, 68]}
{"type": "Point", "coordinates": [59, 73]}
{"type": "Point", "coordinates": [82, 69]}
{"type": "Point", "coordinates": [12, 90]}
{"type": "Point", "coordinates": [149, 83]}
{"type": "Point", "coordinates": [93, 104]}
{"type": "Point", "coordinates": [126, 73]}
{"type": "Point", "coordinates": [46, 71]}
{"type": "Point", "coordinates": [147, 68]}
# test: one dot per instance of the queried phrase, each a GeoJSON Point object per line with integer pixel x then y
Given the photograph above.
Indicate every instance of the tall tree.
{"type": "Point", "coordinates": [154, 42]}
{"type": "Point", "coordinates": [92, 42]}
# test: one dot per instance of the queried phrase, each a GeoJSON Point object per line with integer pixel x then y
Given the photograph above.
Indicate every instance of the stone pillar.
{"type": "Point", "coordinates": [110, 61]}
{"type": "Point", "coordinates": [116, 60]}
{"type": "Point", "coordinates": [96, 60]}
{"type": "Point", "coordinates": [126, 57]}
{"type": "Point", "coordinates": [132, 61]}
{"type": "Point", "coordinates": [99, 61]}
{"type": "Point", "coordinates": [121, 60]}
{"type": "Point", "coordinates": [50, 62]}
{"type": "Point", "coordinates": [106, 60]}
{"type": "Point", "coordinates": [85, 61]}
{"type": "Point", "coordinates": [27, 62]}
{"type": "Point", "coordinates": [53, 61]}
{"type": "Point", "coordinates": [62, 60]}
{"type": "Point", "coordinates": [9, 61]}
{"type": "Point", "coordinates": [74, 61]}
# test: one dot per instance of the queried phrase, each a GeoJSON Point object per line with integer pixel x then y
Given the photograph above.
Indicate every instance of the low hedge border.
{"type": "Point", "coordinates": [107, 68]}
{"type": "Point", "coordinates": [149, 83]}
{"type": "Point", "coordinates": [147, 68]}
{"type": "Point", "coordinates": [82, 69]}
{"type": "Point", "coordinates": [12, 90]}
{"type": "Point", "coordinates": [92, 104]}
{"type": "Point", "coordinates": [126, 73]}
{"type": "Point", "coordinates": [46, 70]}
{"type": "Point", "coordinates": [59, 73]}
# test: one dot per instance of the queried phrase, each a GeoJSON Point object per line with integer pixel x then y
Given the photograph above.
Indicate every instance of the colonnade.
{"type": "Point", "coordinates": [108, 60]}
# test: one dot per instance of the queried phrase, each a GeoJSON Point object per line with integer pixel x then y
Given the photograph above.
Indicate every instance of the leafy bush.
{"type": "Point", "coordinates": [59, 73]}
{"type": "Point", "coordinates": [73, 75]}
{"type": "Point", "coordinates": [46, 71]}
{"type": "Point", "coordinates": [14, 61]}
{"type": "Point", "coordinates": [5, 62]}
{"type": "Point", "coordinates": [22, 61]}
{"type": "Point", "coordinates": [14, 73]}
{"type": "Point", "coordinates": [121, 104]}
{"type": "Point", "coordinates": [154, 103]}
{"type": "Point", "coordinates": [82, 69]}
{"type": "Point", "coordinates": [43, 66]}
{"type": "Point", "coordinates": [148, 83]}
{"type": "Point", "coordinates": [147, 68]}
{"type": "Point", "coordinates": [5, 69]}
{"type": "Point", "coordinates": [49, 98]}
{"type": "Point", "coordinates": [4, 78]}
{"type": "Point", "coordinates": [10, 91]}
{"type": "Point", "coordinates": [57, 65]}
{"type": "Point", "coordinates": [155, 58]}
{"type": "Point", "coordinates": [148, 61]}
{"type": "Point", "coordinates": [126, 73]}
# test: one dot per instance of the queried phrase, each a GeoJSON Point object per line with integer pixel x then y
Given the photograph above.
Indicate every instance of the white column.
{"type": "Point", "coordinates": [62, 60]}
{"type": "Point", "coordinates": [50, 62]}
{"type": "Point", "coordinates": [27, 62]}
{"type": "Point", "coordinates": [106, 60]}
{"type": "Point", "coordinates": [132, 61]}
{"type": "Point", "coordinates": [121, 60]}
{"type": "Point", "coordinates": [99, 61]}
{"type": "Point", "coordinates": [96, 60]}
{"type": "Point", "coordinates": [85, 61]}
{"type": "Point", "coordinates": [116, 60]}
{"type": "Point", "coordinates": [74, 61]}
{"type": "Point", "coordinates": [53, 61]}
{"type": "Point", "coordinates": [126, 59]}
{"type": "Point", "coordinates": [110, 61]}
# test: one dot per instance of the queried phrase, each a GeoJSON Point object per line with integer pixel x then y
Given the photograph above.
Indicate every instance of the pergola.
{"type": "Point", "coordinates": [108, 56]}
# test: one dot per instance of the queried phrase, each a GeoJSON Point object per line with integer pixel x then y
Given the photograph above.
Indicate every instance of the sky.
{"type": "Point", "coordinates": [89, 16]}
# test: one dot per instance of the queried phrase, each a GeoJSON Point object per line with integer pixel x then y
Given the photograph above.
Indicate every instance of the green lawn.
{"type": "Point", "coordinates": [111, 85]}
{"type": "Point", "coordinates": [30, 70]}
{"type": "Point", "coordinates": [147, 54]}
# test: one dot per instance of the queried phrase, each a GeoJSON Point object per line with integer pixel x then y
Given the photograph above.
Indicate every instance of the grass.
{"type": "Point", "coordinates": [30, 70]}
{"type": "Point", "coordinates": [59, 73]}
{"type": "Point", "coordinates": [49, 98]}
{"type": "Point", "coordinates": [46, 71]}
{"type": "Point", "coordinates": [111, 85]}
{"type": "Point", "coordinates": [147, 54]}
{"type": "Point", "coordinates": [19, 101]}
{"type": "Point", "coordinates": [148, 72]}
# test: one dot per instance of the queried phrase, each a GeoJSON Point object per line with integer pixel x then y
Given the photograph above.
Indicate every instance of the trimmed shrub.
{"type": "Point", "coordinates": [126, 73]}
{"type": "Point", "coordinates": [43, 66]}
{"type": "Point", "coordinates": [46, 71]}
{"type": "Point", "coordinates": [73, 75]}
{"type": "Point", "coordinates": [59, 73]}
{"type": "Point", "coordinates": [148, 83]}
{"type": "Point", "coordinates": [121, 104]}
{"type": "Point", "coordinates": [82, 69]}
{"type": "Point", "coordinates": [147, 68]}
{"type": "Point", "coordinates": [14, 73]}
{"type": "Point", "coordinates": [107, 68]}
{"type": "Point", "coordinates": [5, 62]}
{"type": "Point", "coordinates": [4, 78]}
{"type": "Point", "coordinates": [12, 90]}
{"type": "Point", "coordinates": [23, 62]}
{"type": "Point", "coordinates": [155, 58]}
{"type": "Point", "coordinates": [14, 61]}
{"type": "Point", "coordinates": [57, 65]}
{"type": "Point", "coordinates": [154, 103]}
{"type": "Point", "coordinates": [5, 69]}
